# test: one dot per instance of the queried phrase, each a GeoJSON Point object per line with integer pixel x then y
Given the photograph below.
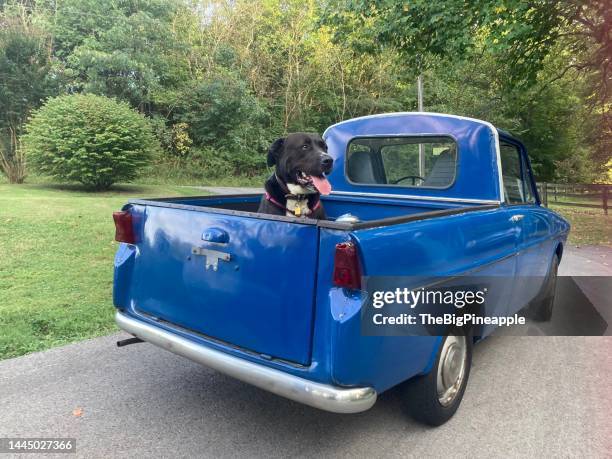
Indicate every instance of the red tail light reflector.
{"type": "Point", "coordinates": [346, 266]}
{"type": "Point", "coordinates": [124, 227]}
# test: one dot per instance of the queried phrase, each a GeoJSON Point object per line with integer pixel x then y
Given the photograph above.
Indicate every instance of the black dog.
{"type": "Point", "coordinates": [294, 189]}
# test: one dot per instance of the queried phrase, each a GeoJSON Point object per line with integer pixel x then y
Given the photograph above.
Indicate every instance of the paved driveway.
{"type": "Point", "coordinates": [527, 396]}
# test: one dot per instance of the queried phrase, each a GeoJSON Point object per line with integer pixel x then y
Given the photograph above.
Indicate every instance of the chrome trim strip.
{"type": "Point", "coordinates": [500, 177]}
{"type": "Point", "coordinates": [322, 396]}
{"type": "Point", "coordinates": [406, 196]}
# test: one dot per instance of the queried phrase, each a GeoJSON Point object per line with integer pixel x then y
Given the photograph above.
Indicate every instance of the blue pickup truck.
{"type": "Point", "coordinates": [275, 301]}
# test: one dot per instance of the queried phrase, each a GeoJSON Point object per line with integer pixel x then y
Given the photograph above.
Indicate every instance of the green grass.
{"type": "Point", "coordinates": [56, 262]}
{"type": "Point", "coordinates": [589, 226]}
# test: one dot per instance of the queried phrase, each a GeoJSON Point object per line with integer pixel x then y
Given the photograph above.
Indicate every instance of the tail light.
{"type": "Point", "coordinates": [124, 227]}
{"type": "Point", "coordinates": [346, 266]}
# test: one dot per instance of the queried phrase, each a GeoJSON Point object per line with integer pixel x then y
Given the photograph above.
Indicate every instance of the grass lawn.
{"type": "Point", "coordinates": [56, 252]}
{"type": "Point", "coordinates": [589, 226]}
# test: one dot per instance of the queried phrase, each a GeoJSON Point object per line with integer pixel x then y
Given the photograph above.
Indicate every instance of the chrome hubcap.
{"type": "Point", "coordinates": [451, 369]}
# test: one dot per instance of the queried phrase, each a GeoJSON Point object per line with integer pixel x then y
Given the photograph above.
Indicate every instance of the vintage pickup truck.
{"type": "Point", "coordinates": [275, 301]}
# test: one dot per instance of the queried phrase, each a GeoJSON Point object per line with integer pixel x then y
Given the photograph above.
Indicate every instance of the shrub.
{"type": "Point", "coordinates": [89, 139]}
{"type": "Point", "coordinates": [221, 112]}
{"type": "Point", "coordinates": [12, 158]}
{"type": "Point", "coordinates": [220, 163]}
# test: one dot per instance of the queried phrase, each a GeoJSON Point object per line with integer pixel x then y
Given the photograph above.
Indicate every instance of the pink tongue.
{"type": "Point", "coordinates": [321, 184]}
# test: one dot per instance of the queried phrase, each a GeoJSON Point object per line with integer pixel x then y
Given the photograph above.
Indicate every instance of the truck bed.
{"type": "Point", "coordinates": [213, 266]}
{"type": "Point", "coordinates": [370, 212]}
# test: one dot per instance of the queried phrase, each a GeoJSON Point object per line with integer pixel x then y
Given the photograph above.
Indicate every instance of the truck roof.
{"type": "Point", "coordinates": [502, 132]}
{"type": "Point", "coordinates": [478, 169]}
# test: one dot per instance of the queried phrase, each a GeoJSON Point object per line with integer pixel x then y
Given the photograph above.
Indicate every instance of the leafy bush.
{"type": "Point", "coordinates": [222, 163]}
{"type": "Point", "coordinates": [25, 80]}
{"type": "Point", "coordinates": [214, 108]}
{"type": "Point", "coordinates": [211, 163]}
{"type": "Point", "coordinates": [217, 129]}
{"type": "Point", "coordinates": [89, 139]}
{"type": "Point", "coordinates": [222, 112]}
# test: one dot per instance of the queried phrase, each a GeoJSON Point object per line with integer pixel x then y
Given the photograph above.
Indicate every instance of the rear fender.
{"type": "Point", "coordinates": [122, 275]}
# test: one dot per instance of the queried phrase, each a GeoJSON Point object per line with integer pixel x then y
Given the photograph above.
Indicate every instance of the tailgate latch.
{"type": "Point", "coordinates": [212, 257]}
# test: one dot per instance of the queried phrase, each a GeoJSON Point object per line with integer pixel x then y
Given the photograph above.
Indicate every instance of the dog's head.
{"type": "Point", "coordinates": [302, 159]}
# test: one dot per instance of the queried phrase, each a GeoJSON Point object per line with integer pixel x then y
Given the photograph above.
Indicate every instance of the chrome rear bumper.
{"type": "Point", "coordinates": [322, 396]}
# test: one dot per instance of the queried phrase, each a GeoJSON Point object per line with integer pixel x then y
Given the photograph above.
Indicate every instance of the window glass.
{"type": "Point", "coordinates": [429, 162]}
{"type": "Point", "coordinates": [517, 183]}
{"type": "Point", "coordinates": [529, 196]}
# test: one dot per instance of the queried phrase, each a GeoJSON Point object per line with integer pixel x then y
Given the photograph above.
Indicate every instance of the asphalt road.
{"type": "Point", "coordinates": [527, 396]}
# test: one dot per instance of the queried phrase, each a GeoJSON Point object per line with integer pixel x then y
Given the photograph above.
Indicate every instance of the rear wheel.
{"type": "Point", "coordinates": [541, 310]}
{"type": "Point", "coordinates": [434, 398]}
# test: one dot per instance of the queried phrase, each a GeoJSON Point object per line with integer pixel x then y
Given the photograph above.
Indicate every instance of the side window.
{"type": "Point", "coordinates": [527, 183]}
{"type": "Point", "coordinates": [517, 183]}
{"type": "Point", "coordinates": [427, 162]}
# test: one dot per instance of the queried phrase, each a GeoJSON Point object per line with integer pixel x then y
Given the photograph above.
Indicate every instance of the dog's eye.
{"type": "Point", "coordinates": [305, 146]}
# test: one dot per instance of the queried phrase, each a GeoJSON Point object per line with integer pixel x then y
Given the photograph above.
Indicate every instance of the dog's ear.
{"type": "Point", "coordinates": [274, 151]}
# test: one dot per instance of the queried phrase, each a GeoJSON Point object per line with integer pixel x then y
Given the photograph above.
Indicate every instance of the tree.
{"type": "Point", "coordinates": [521, 33]}
{"type": "Point", "coordinates": [519, 39]}
{"type": "Point", "coordinates": [126, 50]}
{"type": "Point", "coordinates": [89, 139]}
{"type": "Point", "coordinates": [25, 80]}
{"type": "Point", "coordinates": [222, 78]}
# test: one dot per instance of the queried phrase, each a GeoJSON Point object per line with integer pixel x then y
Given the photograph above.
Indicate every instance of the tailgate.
{"type": "Point", "coordinates": [260, 295]}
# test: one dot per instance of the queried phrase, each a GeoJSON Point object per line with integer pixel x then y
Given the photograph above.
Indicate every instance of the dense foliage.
{"type": "Point", "coordinates": [24, 81]}
{"type": "Point", "coordinates": [89, 139]}
{"type": "Point", "coordinates": [542, 69]}
{"type": "Point", "coordinates": [220, 79]}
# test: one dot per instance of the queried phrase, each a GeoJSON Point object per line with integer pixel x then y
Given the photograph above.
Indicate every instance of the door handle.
{"type": "Point", "coordinates": [215, 235]}
{"type": "Point", "coordinates": [516, 218]}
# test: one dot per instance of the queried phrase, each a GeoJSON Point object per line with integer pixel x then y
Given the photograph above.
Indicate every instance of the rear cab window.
{"type": "Point", "coordinates": [423, 162]}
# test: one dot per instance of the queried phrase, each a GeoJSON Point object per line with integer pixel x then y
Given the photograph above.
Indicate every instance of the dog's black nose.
{"type": "Point", "coordinates": [327, 162]}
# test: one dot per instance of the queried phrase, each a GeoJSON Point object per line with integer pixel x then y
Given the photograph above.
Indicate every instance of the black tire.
{"type": "Point", "coordinates": [420, 394]}
{"type": "Point", "coordinates": [542, 308]}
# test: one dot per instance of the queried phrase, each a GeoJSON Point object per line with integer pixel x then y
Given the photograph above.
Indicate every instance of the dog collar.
{"type": "Point", "coordinates": [297, 212]}
{"type": "Point", "coordinates": [282, 184]}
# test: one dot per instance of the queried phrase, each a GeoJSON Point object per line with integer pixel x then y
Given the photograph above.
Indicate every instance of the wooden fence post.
{"type": "Point", "coordinates": [604, 198]}
{"type": "Point", "coordinates": [545, 193]}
